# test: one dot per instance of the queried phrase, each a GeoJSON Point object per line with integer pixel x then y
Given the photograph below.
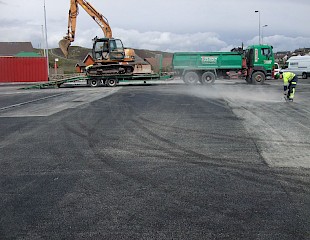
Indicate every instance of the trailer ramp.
{"type": "Point", "coordinates": [56, 83]}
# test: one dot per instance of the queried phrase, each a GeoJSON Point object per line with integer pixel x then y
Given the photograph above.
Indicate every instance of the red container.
{"type": "Point", "coordinates": [23, 69]}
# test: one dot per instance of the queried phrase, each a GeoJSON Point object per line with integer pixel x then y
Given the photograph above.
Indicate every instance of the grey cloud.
{"type": "Point", "coordinates": [10, 22]}
{"type": "Point", "coordinates": [284, 43]}
{"type": "Point", "coordinates": [199, 25]}
{"type": "Point", "coordinates": [152, 40]}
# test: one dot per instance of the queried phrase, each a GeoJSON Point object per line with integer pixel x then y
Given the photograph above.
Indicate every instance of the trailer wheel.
{"type": "Point", "coordinates": [258, 78]}
{"type": "Point", "coordinates": [111, 82]}
{"type": "Point", "coordinates": [94, 83]}
{"type": "Point", "coordinates": [191, 78]}
{"type": "Point", "coordinates": [304, 75]}
{"type": "Point", "coordinates": [208, 78]}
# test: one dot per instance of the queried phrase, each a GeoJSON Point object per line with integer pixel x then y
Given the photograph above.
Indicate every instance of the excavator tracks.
{"type": "Point", "coordinates": [98, 70]}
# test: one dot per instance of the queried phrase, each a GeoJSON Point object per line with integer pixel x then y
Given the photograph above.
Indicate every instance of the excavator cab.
{"type": "Point", "coordinates": [108, 49]}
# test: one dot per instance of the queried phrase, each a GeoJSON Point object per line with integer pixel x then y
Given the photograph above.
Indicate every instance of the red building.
{"type": "Point", "coordinates": [88, 60]}
{"type": "Point", "coordinates": [20, 63]}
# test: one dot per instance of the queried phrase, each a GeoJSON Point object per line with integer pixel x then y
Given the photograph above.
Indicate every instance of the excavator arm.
{"type": "Point", "coordinates": [65, 43]}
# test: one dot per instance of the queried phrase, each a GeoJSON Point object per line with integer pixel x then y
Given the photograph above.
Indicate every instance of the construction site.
{"type": "Point", "coordinates": [109, 62]}
{"type": "Point", "coordinates": [115, 142]}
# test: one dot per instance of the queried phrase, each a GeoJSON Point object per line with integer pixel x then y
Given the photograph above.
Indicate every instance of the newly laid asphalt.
{"type": "Point", "coordinates": [156, 161]}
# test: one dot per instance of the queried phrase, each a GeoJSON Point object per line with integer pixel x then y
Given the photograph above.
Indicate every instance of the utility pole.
{"type": "Point", "coordinates": [42, 42]}
{"type": "Point", "coordinates": [46, 44]}
{"type": "Point", "coordinates": [259, 40]}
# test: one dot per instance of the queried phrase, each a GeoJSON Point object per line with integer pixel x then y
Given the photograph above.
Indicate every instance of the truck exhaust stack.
{"type": "Point", "coordinates": [64, 45]}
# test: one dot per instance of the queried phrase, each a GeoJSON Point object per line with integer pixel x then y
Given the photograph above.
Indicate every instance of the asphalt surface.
{"type": "Point", "coordinates": [158, 161]}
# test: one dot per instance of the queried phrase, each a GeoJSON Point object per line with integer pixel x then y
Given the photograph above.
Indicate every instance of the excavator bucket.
{"type": "Point", "coordinates": [64, 45]}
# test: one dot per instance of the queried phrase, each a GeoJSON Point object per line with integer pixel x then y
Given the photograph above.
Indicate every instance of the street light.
{"type": "Point", "coordinates": [263, 33]}
{"type": "Point", "coordinates": [258, 25]}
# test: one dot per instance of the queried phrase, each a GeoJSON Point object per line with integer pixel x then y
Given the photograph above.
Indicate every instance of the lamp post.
{"type": "Point", "coordinates": [43, 40]}
{"type": "Point", "coordinates": [263, 33]}
{"type": "Point", "coordinates": [258, 25]}
{"type": "Point", "coordinates": [46, 44]}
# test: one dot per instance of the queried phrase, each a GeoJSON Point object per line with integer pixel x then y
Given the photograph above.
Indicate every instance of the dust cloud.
{"type": "Point", "coordinates": [235, 92]}
{"type": "Point", "coordinates": [261, 109]}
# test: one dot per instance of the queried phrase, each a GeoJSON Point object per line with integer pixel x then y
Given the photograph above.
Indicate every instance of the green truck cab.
{"type": "Point", "coordinates": [254, 64]}
{"type": "Point", "coordinates": [259, 63]}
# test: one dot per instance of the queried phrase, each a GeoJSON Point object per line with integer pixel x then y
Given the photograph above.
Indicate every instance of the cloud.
{"type": "Point", "coordinates": [155, 40]}
{"type": "Point", "coordinates": [200, 41]}
{"type": "Point", "coordinates": [204, 26]}
{"type": "Point", "coordinates": [283, 43]}
{"type": "Point", "coordinates": [168, 41]}
{"type": "Point", "coordinates": [16, 30]}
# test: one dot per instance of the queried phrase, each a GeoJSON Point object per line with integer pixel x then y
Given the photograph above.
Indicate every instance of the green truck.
{"type": "Point", "coordinates": [254, 64]}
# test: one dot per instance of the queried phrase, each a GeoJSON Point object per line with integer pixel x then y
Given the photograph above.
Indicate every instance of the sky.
{"type": "Point", "coordinates": [165, 25]}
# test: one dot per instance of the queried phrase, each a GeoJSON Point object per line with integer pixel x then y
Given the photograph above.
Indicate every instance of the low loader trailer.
{"type": "Point", "coordinates": [104, 80]}
{"type": "Point", "coordinates": [114, 80]}
{"type": "Point", "coordinates": [254, 64]}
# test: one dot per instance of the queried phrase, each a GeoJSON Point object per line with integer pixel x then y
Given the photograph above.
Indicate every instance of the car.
{"type": "Point", "coordinates": [276, 68]}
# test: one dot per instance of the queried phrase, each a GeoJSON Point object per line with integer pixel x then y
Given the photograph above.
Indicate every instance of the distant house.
{"type": "Point", "coordinates": [19, 62]}
{"type": "Point", "coordinates": [88, 60]}
{"type": "Point", "coordinates": [9, 49]}
{"type": "Point", "coordinates": [301, 51]}
{"type": "Point", "coordinates": [80, 67]}
{"type": "Point", "coordinates": [281, 57]}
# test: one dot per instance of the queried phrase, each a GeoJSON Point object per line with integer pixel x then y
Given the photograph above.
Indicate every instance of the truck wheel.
{"type": "Point", "coordinates": [191, 78]}
{"type": "Point", "coordinates": [304, 75]}
{"type": "Point", "coordinates": [258, 78]}
{"type": "Point", "coordinates": [94, 83]}
{"type": "Point", "coordinates": [208, 78]}
{"type": "Point", "coordinates": [111, 82]}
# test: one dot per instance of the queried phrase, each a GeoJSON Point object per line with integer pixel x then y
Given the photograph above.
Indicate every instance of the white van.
{"type": "Point", "coordinates": [300, 65]}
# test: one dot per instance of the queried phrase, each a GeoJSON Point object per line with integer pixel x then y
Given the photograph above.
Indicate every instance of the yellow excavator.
{"type": "Point", "coordinates": [109, 54]}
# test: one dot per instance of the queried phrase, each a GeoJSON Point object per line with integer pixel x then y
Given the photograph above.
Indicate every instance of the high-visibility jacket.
{"type": "Point", "coordinates": [288, 77]}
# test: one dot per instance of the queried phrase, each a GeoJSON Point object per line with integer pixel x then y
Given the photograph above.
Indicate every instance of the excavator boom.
{"type": "Point", "coordinates": [65, 43]}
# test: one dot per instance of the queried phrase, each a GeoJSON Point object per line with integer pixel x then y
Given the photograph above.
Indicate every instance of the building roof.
{"type": "Point", "coordinates": [89, 55]}
{"type": "Point", "coordinates": [13, 48]}
{"type": "Point", "coordinates": [80, 64]}
{"type": "Point", "coordinates": [27, 54]}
